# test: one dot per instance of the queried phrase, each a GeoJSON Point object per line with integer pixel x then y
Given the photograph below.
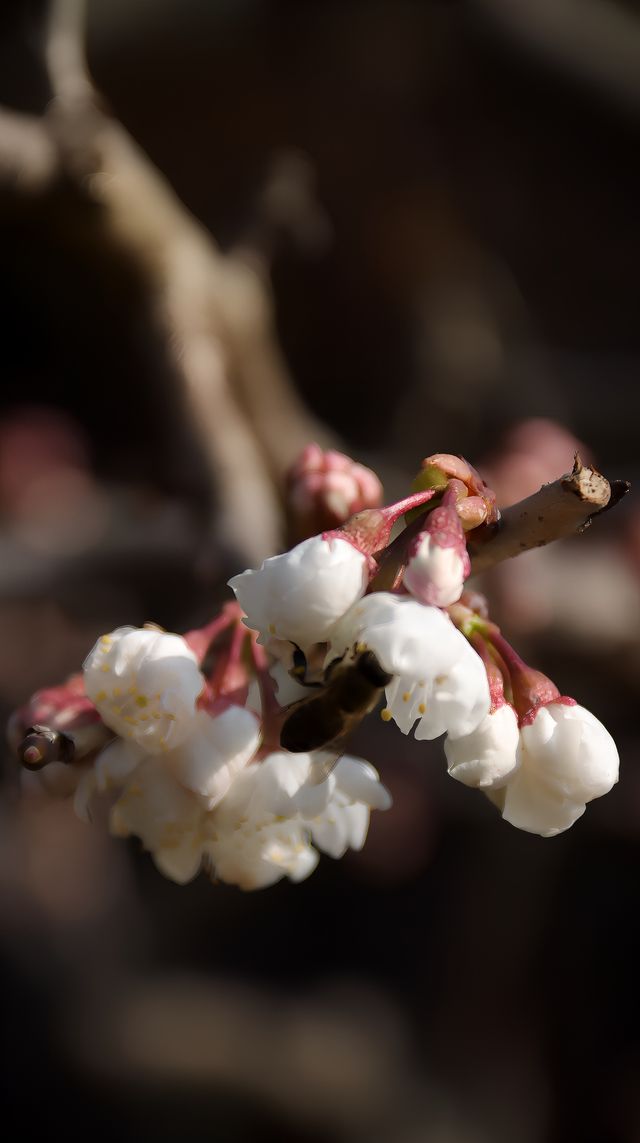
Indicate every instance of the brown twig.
{"type": "Point", "coordinates": [207, 316]}
{"type": "Point", "coordinates": [559, 509]}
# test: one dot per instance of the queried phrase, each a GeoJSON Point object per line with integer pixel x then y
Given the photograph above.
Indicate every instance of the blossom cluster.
{"type": "Point", "coordinates": [191, 736]}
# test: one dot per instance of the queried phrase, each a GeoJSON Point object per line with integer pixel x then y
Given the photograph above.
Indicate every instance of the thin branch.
{"type": "Point", "coordinates": [563, 508]}
{"type": "Point", "coordinates": [64, 51]}
{"type": "Point", "coordinates": [210, 317]}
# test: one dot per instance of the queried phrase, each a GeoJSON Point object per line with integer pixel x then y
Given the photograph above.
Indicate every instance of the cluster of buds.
{"type": "Point", "coordinates": [537, 754]}
{"type": "Point", "coordinates": [191, 736]}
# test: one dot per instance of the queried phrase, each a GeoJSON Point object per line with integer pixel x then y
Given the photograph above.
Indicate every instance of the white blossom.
{"type": "Point", "coordinates": [435, 574]}
{"type": "Point", "coordinates": [488, 756]}
{"type": "Point", "coordinates": [263, 829]}
{"type": "Point", "coordinates": [217, 750]}
{"type": "Point", "coordinates": [439, 680]}
{"type": "Point", "coordinates": [167, 818]}
{"type": "Point", "coordinates": [205, 764]}
{"type": "Point", "coordinates": [301, 594]}
{"type": "Point", "coordinates": [145, 684]}
{"type": "Point", "coordinates": [566, 758]}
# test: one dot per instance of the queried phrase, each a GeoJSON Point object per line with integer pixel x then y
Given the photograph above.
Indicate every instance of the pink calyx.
{"type": "Point", "coordinates": [531, 689]}
{"type": "Point", "coordinates": [370, 531]}
{"type": "Point", "coordinates": [495, 676]}
{"type": "Point", "coordinates": [561, 700]}
{"type": "Point", "coordinates": [228, 678]}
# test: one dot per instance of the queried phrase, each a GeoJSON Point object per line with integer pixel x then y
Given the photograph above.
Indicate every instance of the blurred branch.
{"type": "Point", "coordinates": [212, 314]}
{"type": "Point", "coordinates": [560, 509]}
{"type": "Point", "coordinates": [597, 40]}
{"type": "Point", "coordinates": [64, 51]}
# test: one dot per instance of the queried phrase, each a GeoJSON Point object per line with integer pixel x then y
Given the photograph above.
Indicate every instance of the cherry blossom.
{"type": "Point", "coordinates": [145, 683]}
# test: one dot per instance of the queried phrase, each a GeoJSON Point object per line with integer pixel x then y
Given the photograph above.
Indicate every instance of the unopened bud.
{"type": "Point", "coordinates": [444, 469]}
{"type": "Point", "coordinates": [438, 562]}
{"type": "Point", "coordinates": [326, 488]}
{"type": "Point", "coordinates": [472, 512]}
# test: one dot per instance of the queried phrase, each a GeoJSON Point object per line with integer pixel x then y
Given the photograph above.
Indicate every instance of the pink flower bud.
{"type": "Point", "coordinates": [324, 489]}
{"type": "Point", "coordinates": [438, 561]}
{"type": "Point", "coordinates": [443, 469]}
{"type": "Point", "coordinates": [472, 512]}
{"type": "Point", "coordinates": [566, 758]}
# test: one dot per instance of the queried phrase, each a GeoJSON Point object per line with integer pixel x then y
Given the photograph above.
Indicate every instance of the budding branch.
{"type": "Point", "coordinates": [562, 508]}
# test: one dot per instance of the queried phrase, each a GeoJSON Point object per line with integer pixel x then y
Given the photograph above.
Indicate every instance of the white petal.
{"type": "Point", "coordinates": [408, 700]}
{"type": "Point", "coordinates": [145, 684]}
{"type": "Point", "coordinates": [460, 698]}
{"type": "Point", "coordinates": [260, 831]}
{"type": "Point", "coordinates": [435, 575]}
{"type": "Point", "coordinates": [255, 856]}
{"type": "Point", "coordinates": [331, 831]}
{"type": "Point", "coordinates": [289, 690]}
{"type": "Point", "coordinates": [439, 679]}
{"type": "Point", "coordinates": [357, 825]}
{"type": "Point", "coordinates": [116, 763]}
{"type": "Point", "coordinates": [181, 862]}
{"type": "Point", "coordinates": [217, 748]}
{"type": "Point", "coordinates": [358, 781]}
{"type": "Point", "coordinates": [532, 806]}
{"type": "Point", "coordinates": [408, 638]}
{"type": "Point", "coordinates": [567, 758]}
{"type": "Point", "coordinates": [341, 828]}
{"type": "Point", "coordinates": [156, 808]}
{"type": "Point", "coordinates": [487, 756]}
{"type": "Point", "coordinates": [301, 594]}
{"type": "Point", "coordinates": [572, 751]}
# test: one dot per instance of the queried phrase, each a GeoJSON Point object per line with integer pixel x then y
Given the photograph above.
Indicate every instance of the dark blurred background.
{"type": "Point", "coordinates": [438, 202]}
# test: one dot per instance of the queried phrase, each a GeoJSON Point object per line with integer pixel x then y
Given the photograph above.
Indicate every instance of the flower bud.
{"type": "Point", "coordinates": [487, 757]}
{"type": "Point", "coordinates": [438, 562]}
{"type": "Point", "coordinates": [442, 469]}
{"type": "Point", "coordinates": [324, 489]}
{"type": "Point", "coordinates": [301, 594]}
{"type": "Point", "coordinates": [566, 759]}
{"type": "Point", "coordinates": [145, 684]}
